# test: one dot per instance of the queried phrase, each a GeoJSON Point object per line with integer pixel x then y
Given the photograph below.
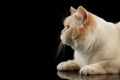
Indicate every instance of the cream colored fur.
{"type": "Point", "coordinates": [96, 43]}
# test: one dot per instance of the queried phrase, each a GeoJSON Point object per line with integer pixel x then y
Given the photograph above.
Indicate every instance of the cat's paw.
{"type": "Point", "coordinates": [68, 65]}
{"type": "Point", "coordinates": [90, 69]}
{"type": "Point", "coordinates": [62, 66]}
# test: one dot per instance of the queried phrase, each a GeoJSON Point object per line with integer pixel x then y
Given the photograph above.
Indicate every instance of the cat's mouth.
{"type": "Point", "coordinates": [68, 43]}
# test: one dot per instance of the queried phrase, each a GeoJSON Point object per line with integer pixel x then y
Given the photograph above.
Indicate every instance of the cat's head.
{"type": "Point", "coordinates": [77, 27]}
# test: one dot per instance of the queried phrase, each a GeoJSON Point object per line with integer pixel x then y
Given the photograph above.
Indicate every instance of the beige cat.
{"type": "Point", "coordinates": [96, 43]}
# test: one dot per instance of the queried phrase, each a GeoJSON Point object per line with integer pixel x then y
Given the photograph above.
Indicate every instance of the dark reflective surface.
{"type": "Point", "coordinates": [77, 76]}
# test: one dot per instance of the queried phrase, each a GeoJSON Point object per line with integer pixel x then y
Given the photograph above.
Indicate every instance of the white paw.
{"type": "Point", "coordinates": [89, 70]}
{"type": "Point", "coordinates": [61, 66]}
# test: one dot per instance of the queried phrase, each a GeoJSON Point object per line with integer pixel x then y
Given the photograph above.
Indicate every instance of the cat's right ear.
{"type": "Point", "coordinates": [72, 10]}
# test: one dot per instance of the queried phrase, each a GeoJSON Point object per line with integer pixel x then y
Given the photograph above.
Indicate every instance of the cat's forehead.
{"type": "Point", "coordinates": [67, 20]}
{"type": "Point", "coordinates": [71, 21]}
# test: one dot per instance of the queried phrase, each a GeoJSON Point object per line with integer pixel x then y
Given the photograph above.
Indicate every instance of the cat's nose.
{"type": "Point", "coordinates": [62, 31]}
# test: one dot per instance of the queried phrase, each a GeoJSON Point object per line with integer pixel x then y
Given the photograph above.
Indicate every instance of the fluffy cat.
{"type": "Point", "coordinates": [96, 43]}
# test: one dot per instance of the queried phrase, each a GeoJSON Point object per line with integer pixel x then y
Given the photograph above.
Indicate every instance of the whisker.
{"type": "Point", "coordinates": [63, 48]}
{"type": "Point", "coordinates": [60, 47]}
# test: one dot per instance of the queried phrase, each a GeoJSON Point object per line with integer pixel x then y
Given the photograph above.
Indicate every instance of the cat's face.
{"type": "Point", "coordinates": [77, 27]}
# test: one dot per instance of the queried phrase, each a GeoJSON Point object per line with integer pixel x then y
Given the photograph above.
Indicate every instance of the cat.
{"type": "Point", "coordinates": [95, 41]}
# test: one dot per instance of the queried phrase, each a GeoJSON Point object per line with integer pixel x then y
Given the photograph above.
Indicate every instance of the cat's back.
{"type": "Point", "coordinates": [118, 25]}
{"type": "Point", "coordinates": [118, 28]}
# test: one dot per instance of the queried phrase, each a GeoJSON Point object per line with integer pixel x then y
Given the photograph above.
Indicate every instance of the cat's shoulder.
{"type": "Point", "coordinates": [118, 26]}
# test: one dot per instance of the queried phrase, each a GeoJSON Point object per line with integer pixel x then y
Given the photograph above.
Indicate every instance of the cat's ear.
{"type": "Point", "coordinates": [72, 10]}
{"type": "Point", "coordinates": [81, 14]}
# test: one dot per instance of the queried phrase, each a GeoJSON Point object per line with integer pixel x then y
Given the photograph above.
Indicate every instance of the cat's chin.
{"type": "Point", "coordinates": [72, 47]}
{"type": "Point", "coordinates": [68, 44]}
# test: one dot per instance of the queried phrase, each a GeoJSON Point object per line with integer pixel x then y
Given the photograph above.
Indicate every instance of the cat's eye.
{"type": "Point", "coordinates": [68, 26]}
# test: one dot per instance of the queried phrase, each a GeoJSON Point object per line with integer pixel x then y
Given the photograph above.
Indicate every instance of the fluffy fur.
{"type": "Point", "coordinates": [96, 43]}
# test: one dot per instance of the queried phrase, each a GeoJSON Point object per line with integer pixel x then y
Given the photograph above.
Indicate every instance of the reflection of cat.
{"type": "Point", "coordinates": [76, 76]}
{"type": "Point", "coordinates": [96, 43]}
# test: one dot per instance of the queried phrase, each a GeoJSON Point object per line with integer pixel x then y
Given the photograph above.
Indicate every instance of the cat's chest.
{"type": "Point", "coordinates": [81, 60]}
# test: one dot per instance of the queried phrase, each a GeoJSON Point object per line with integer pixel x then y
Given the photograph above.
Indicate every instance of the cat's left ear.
{"type": "Point", "coordinates": [72, 10]}
{"type": "Point", "coordinates": [82, 14]}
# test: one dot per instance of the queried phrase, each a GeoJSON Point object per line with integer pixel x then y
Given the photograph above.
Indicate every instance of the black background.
{"type": "Point", "coordinates": [32, 33]}
{"type": "Point", "coordinates": [50, 15]}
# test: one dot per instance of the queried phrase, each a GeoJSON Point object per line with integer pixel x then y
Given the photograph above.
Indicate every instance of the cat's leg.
{"type": "Point", "coordinates": [103, 67]}
{"type": "Point", "coordinates": [68, 65]}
